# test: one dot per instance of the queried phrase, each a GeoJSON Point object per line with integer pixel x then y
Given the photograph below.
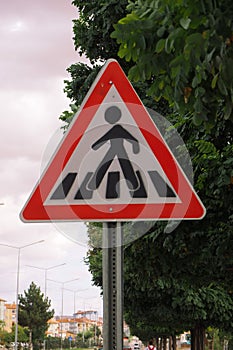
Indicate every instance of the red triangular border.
{"type": "Point", "coordinates": [190, 207]}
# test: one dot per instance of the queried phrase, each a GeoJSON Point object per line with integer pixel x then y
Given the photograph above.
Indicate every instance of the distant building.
{"type": "Point", "coordinates": [9, 316]}
{"type": "Point", "coordinates": [64, 327]}
{"type": "Point", "coordinates": [90, 314]}
{"type": "Point", "coordinates": [2, 309]}
{"type": "Point", "coordinates": [67, 326]}
{"type": "Point", "coordinates": [53, 328]}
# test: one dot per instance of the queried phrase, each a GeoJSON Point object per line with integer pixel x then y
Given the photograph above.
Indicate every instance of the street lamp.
{"type": "Point", "coordinates": [17, 287]}
{"type": "Point", "coordinates": [63, 284]}
{"type": "Point", "coordinates": [45, 269]}
{"type": "Point", "coordinates": [76, 291]}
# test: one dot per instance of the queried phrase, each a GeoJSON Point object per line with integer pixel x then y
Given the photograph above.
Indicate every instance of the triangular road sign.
{"type": "Point", "coordinates": [112, 164]}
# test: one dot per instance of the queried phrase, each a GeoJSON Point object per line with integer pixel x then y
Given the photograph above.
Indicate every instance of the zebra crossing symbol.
{"type": "Point", "coordinates": [112, 164]}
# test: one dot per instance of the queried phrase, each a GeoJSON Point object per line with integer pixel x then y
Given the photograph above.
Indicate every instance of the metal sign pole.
{"type": "Point", "coordinates": [112, 286]}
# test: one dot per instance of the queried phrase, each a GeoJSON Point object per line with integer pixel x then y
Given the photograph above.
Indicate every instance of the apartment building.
{"type": "Point", "coordinates": [9, 316]}
{"type": "Point", "coordinates": [81, 322]}
{"type": "Point", "coordinates": [73, 325]}
{"type": "Point", "coordinates": [53, 328]}
{"type": "Point", "coordinates": [2, 309]}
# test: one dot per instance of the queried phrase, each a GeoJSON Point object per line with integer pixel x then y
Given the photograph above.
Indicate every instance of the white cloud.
{"type": "Point", "coordinates": [17, 26]}
{"type": "Point", "coordinates": [36, 49]}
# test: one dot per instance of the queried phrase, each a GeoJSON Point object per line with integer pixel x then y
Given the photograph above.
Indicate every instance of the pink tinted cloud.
{"type": "Point", "coordinates": [36, 49]}
{"type": "Point", "coordinates": [36, 41]}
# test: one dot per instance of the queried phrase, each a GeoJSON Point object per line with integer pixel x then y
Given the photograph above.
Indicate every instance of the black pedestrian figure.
{"type": "Point", "coordinates": [116, 135]}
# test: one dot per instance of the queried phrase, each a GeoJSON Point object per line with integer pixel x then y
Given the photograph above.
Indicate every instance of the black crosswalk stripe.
{"type": "Point", "coordinates": [112, 187]}
{"type": "Point", "coordinates": [64, 188]}
{"type": "Point", "coordinates": [141, 191]}
{"type": "Point", "coordinates": [163, 189]}
{"type": "Point", "coordinates": [83, 192]}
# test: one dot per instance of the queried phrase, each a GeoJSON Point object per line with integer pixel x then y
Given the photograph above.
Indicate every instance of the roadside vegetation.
{"type": "Point", "coordinates": [178, 56]}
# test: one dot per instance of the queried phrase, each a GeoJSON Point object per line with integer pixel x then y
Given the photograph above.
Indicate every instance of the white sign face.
{"type": "Point", "coordinates": [124, 176]}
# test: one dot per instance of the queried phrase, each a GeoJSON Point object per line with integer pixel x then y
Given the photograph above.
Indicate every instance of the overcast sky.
{"type": "Point", "coordinates": [36, 49]}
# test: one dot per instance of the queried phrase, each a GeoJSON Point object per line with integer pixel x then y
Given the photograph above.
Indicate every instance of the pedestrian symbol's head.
{"type": "Point", "coordinates": [112, 114]}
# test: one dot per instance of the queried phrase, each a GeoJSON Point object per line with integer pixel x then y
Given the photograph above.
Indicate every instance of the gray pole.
{"type": "Point", "coordinates": [62, 304]}
{"type": "Point", "coordinates": [17, 301]}
{"type": "Point", "coordinates": [45, 283]}
{"type": "Point", "coordinates": [17, 286]}
{"type": "Point", "coordinates": [112, 286]}
{"type": "Point", "coordinates": [45, 269]}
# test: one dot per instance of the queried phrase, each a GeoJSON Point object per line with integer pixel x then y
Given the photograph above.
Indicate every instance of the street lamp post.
{"type": "Point", "coordinates": [96, 325]}
{"type": "Point", "coordinates": [17, 284]}
{"type": "Point", "coordinates": [75, 291]}
{"type": "Point", "coordinates": [46, 269]}
{"type": "Point", "coordinates": [62, 303]}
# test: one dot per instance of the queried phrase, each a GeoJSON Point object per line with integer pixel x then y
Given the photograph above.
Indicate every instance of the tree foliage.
{"type": "Point", "coordinates": [186, 274]}
{"type": "Point", "coordinates": [181, 279]}
{"type": "Point", "coordinates": [93, 27]}
{"type": "Point", "coordinates": [180, 51]}
{"type": "Point", "coordinates": [8, 337]}
{"type": "Point", "coordinates": [34, 312]}
{"type": "Point", "coordinates": [186, 46]}
{"type": "Point", "coordinates": [92, 30]}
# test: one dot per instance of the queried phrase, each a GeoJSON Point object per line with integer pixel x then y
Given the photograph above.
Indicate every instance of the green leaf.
{"type": "Point", "coordinates": [205, 147]}
{"type": "Point", "coordinates": [129, 18]}
{"type": "Point", "coordinates": [210, 55]}
{"type": "Point", "coordinates": [228, 161]}
{"type": "Point", "coordinates": [145, 13]}
{"type": "Point", "coordinates": [123, 52]}
{"type": "Point", "coordinates": [161, 31]}
{"type": "Point", "coordinates": [169, 45]}
{"type": "Point", "coordinates": [197, 119]}
{"type": "Point", "coordinates": [185, 22]}
{"type": "Point", "coordinates": [195, 39]}
{"type": "Point", "coordinates": [227, 109]}
{"type": "Point", "coordinates": [195, 82]}
{"type": "Point", "coordinates": [141, 42]}
{"type": "Point", "coordinates": [199, 92]}
{"type": "Point", "coordinates": [160, 45]}
{"type": "Point", "coordinates": [178, 60]}
{"type": "Point", "coordinates": [134, 73]}
{"type": "Point", "coordinates": [175, 71]}
{"type": "Point", "coordinates": [214, 81]}
{"type": "Point", "coordinates": [222, 87]}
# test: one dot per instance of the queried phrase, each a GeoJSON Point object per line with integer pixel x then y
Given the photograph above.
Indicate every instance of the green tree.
{"type": "Point", "coordinates": [23, 334]}
{"type": "Point", "coordinates": [186, 47]}
{"type": "Point", "coordinates": [93, 27]}
{"type": "Point", "coordinates": [2, 325]}
{"type": "Point", "coordinates": [188, 271]}
{"type": "Point", "coordinates": [92, 32]}
{"type": "Point", "coordinates": [7, 337]}
{"type": "Point", "coordinates": [53, 342]}
{"type": "Point", "coordinates": [34, 312]}
{"type": "Point", "coordinates": [174, 280]}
